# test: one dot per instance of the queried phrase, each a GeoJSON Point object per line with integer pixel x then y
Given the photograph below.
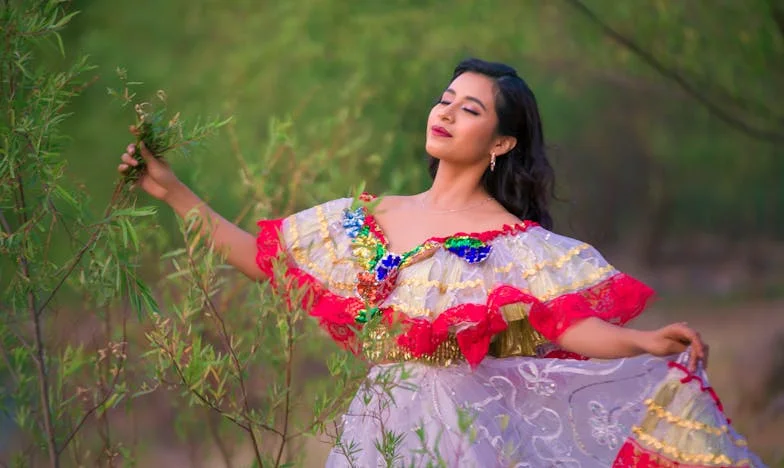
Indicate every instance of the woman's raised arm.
{"type": "Point", "coordinates": [159, 181]}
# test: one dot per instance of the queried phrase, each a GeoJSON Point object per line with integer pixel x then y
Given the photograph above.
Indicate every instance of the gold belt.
{"type": "Point", "coordinates": [380, 347]}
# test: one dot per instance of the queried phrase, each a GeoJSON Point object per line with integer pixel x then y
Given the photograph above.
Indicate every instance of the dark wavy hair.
{"type": "Point", "coordinates": [523, 178]}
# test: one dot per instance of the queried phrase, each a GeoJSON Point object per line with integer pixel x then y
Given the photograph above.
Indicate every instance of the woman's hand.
{"type": "Point", "coordinates": [157, 179]}
{"type": "Point", "coordinates": [673, 339]}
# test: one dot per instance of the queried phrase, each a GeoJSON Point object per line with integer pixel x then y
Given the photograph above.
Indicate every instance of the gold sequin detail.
{"type": "Point", "coordinates": [556, 262]}
{"type": "Point", "coordinates": [298, 252]}
{"type": "Point", "coordinates": [549, 294]}
{"type": "Point", "coordinates": [599, 274]}
{"type": "Point", "coordinates": [349, 286]}
{"type": "Point", "coordinates": [440, 285]}
{"type": "Point", "coordinates": [519, 339]}
{"type": "Point", "coordinates": [413, 311]}
{"type": "Point", "coordinates": [301, 258]}
{"type": "Point", "coordinates": [324, 230]}
{"type": "Point", "coordinates": [380, 347]}
{"type": "Point", "coordinates": [662, 413]}
{"type": "Point", "coordinates": [514, 312]}
{"type": "Point", "coordinates": [681, 456]}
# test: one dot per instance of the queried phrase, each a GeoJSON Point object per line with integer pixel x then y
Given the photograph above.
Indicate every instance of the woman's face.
{"type": "Point", "coordinates": [461, 128]}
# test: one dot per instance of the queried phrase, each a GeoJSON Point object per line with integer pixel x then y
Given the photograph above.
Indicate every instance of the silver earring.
{"type": "Point", "coordinates": [492, 162]}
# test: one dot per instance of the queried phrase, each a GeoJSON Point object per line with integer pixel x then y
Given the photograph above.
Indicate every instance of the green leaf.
{"type": "Point", "coordinates": [133, 212]}
{"type": "Point", "coordinates": [146, 297]}
{"type": "Point", "coordinates": [66, 196]}
{"type": "Point", "coordinates": [64, 20]}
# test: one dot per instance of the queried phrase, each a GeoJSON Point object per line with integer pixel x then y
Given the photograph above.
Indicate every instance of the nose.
{"type": "Point", "coordinates": [445, 114]}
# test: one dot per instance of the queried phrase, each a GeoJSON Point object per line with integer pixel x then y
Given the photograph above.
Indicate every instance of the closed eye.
{"type": "Point", "coordinates": [444, 102]}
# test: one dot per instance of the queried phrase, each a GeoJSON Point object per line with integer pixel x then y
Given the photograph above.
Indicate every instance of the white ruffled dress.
{"type": "Point", "coordinates": [480, 380]}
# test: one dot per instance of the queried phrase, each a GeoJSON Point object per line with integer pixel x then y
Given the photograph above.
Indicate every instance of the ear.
{"type": "Point", "coordinates": [503, 145]}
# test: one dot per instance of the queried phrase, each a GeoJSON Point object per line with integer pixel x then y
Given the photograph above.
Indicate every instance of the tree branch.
{"type": "Point", "coordinates": [673, 75]}
{"type": "Point", "coordinates": [287, 402]}
{"type": "Point", "coordinates": [206, 401]}
{"type": "Point", "coordinates": [40, 355]}
{"type": "Point", "coordinates": [777, 11]}
{"type": "Point", "coordinates": [107, 394]}
{"type": "Point", "coordinates": [78, 257]}
{"type": "Point", "coordinates": [204, 289]}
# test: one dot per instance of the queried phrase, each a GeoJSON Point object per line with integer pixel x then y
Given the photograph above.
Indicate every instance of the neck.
{"type": "Point", "coordinates": [456, 186]}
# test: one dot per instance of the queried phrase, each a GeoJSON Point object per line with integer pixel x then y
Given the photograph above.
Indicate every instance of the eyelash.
{"type": "Point", "coordinates": [470, 111]}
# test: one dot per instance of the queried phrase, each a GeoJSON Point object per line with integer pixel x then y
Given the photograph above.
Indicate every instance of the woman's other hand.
{"type": "Point", "coordinates": [673, 339]}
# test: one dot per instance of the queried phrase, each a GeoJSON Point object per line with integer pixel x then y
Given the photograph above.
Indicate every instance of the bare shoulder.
{"type": "Point", "coordinates": [494, 217]}
{"type": "Point", "coordinates": [394, 202]}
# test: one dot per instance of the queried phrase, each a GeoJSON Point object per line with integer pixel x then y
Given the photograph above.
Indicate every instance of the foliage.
{"type": "Point", "coordinates": [68, 396]}
{"type": "Point", "coordinates": [326, 94]}
{"type": "Point", "coordinates": [52, 388]}
{"type": "Point", "coordinates": [621, 130]}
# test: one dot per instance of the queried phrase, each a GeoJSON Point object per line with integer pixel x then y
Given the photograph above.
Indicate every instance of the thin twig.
{"type": "Point", "coordinates": [287, 400]}
{"type": "Point", "coordinates": [4, 223]}
{"type": "Point", "coordinates": [777, 11]}
{"type": "Point", "coordinates": [79, 255]}
{"type": "Point", "coordinates": [674, 76]}
{"type": "Point", "coordinates": [107, 394]}
{"type": "Point", "coordinates": [337, 402]}
{"type": "Point", "coordinates": [40, 358]}
{"type": "Point", "coordinates": [206, 401]}
{"type": "Point", "coordinates": [204, 289]}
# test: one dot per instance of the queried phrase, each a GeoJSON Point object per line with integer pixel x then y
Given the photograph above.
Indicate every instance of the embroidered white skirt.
{"type": "Point", "coordinates": [533, 412]}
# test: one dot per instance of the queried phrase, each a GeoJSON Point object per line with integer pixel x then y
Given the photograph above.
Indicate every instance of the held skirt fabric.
{"type": "Point", "coordinates": [532, 412]}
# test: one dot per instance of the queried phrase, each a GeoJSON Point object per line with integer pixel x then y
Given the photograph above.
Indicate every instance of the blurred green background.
{"type": "Point", "coordinates": [664, 117]}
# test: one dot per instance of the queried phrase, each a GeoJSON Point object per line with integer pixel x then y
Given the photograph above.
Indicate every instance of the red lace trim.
{"type": "Point", "coordinates": [703, 387]}
{"type": "Point", "coordinates": [633, 455]}
{"type": "Point", "coordinates": [479, 323]}
{"type": "Point", "coordinates": [268, 244]}
{"type": "Point", "coordinates": [617, 300]}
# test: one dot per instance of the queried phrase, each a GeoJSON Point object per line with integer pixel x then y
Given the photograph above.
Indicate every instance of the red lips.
{"type": "Point", "coordinates": [440, 131]}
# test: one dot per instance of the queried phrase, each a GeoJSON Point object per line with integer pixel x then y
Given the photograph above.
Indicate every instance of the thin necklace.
{"type": "Point", "coordinates": [465, 208]}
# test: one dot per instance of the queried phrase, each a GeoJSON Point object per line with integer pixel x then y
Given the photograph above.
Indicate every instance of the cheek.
{"type": "Point", "coordinates": [477, 134]}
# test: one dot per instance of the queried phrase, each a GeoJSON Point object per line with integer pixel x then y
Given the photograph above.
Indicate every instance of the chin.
{"type": "Point", "coordinates": [435, 150]}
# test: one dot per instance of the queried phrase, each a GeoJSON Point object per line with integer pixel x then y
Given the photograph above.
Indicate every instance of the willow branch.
{"type": "Point", "coordinates": [40, 355]}
{"type": "Point", "coordinates": [204, 289]}
{"type": "Point", "coordinates": [673, 75]}
{"type": "Point", "coordinates": [107, 394]}
{"type": "Point", "coordinates": [777, 12]}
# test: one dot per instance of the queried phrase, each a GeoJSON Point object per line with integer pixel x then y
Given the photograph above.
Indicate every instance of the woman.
{"type": "Point", "coordinates": [498, 316]}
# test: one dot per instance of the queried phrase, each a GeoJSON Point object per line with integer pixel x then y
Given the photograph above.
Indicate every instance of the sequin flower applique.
{"type": "Point", "coordinates": [353, 220]}
{"type": "Point", "coordinates": [470, 249]}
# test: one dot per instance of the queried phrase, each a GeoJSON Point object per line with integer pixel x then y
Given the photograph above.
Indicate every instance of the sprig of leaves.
{"type": "Point", "coordinates": [161, 131]}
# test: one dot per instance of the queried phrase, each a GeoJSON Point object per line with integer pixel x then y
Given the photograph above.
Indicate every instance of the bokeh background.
{"type": "Point", "coordinates": [664, 118]}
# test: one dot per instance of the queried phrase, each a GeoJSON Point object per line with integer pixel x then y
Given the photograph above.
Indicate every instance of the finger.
{"type": "Point", "coordinates": [705, 359]}
{"type": "Point", "coordinates": [133, 129]}
{"type": "Point", "coordinates": [146, 154]}
{"type": "Point", "coordinates": [129, 160]}
{"type": "Point", "coordinates": [697, 351]}
{"type": "Point", "coordinates": [122, 167]}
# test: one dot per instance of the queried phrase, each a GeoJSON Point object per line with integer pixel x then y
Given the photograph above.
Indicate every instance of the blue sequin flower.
{"type": "Point", "coordinates": [388, 263]}
{"type": "Point", "coordinates": [470, 249]}
{"type": "Point", "coordinates": [353, 221]}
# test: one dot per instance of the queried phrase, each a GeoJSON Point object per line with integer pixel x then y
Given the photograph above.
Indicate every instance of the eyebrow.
{"type": "Point", "coordinates": [468, 98]}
